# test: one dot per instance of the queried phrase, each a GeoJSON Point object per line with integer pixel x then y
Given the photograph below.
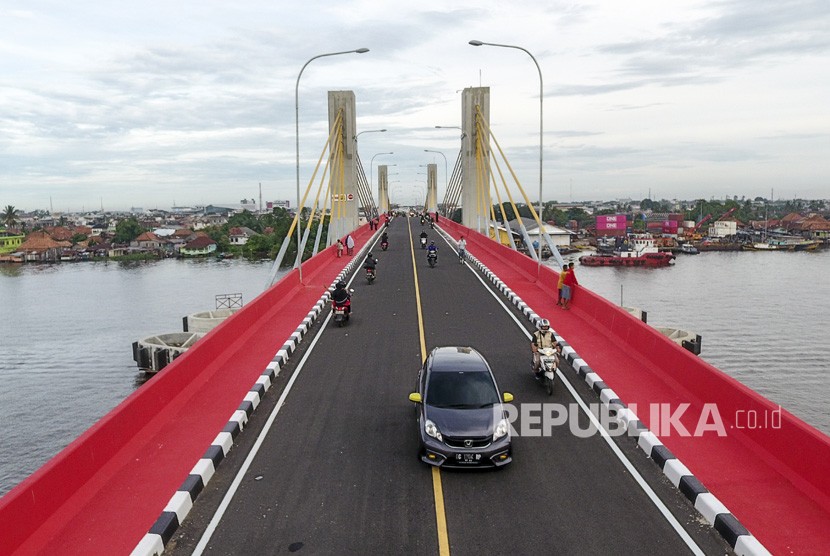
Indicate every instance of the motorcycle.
{"type": "Point", "coordinates": [370, 275]}
{"type": "Point", "coordinates": [384, 245]}
{"type": "Point", "coordinates": [423, 243]}
{"type": "Point", "coordinates": [547, 368]}
{"type": "Point", "coordinates": [342, 310]}
{"type": "Point", "coordinates": [432, 258]}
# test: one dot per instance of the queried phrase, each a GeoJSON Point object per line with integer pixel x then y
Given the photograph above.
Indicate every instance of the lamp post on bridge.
{"type": "Point", "coordinates": [371, 165]}
{"type": "Point", "coordinates": [297, 145]}
{"type": "Point", "coordinates": [541, 95]}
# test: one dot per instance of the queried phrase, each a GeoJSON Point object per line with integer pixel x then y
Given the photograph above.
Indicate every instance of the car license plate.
{"type": "Point", "coordinates": [468, 458]}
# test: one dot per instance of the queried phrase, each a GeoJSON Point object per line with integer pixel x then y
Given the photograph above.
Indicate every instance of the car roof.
{"type": "Point", "coordinates": [457, 358]}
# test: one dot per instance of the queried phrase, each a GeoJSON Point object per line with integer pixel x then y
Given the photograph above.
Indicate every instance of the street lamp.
{"type": "Point", "coordinates": [355, 148]}
{"type": "Point", "coordinates": [371, 165]}
{"type": "Point", "coordinates": [368, 131]}
{"type": "Point", "coordinates": [541, 89]}
{"type": "Point", "coordinates": [297, 144]}
{"type": "Point", "coordinates": [451, 127]}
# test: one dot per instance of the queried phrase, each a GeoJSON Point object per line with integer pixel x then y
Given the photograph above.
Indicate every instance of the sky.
{"type": "Point", "coordinates": [157, 104]}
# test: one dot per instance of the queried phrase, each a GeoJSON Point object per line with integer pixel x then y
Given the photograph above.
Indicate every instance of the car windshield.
{"type": "Point", "coordinates": [461, 390]}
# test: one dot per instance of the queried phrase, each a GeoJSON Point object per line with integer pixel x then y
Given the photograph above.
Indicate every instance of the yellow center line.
{"type": "Point", "coordinates": [437, 490]}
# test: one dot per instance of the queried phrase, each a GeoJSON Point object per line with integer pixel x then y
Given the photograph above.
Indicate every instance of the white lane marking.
{"type": "Point", "coordinates": [607, 437]}
{"type": "Point", "coordinates": [223, 506]}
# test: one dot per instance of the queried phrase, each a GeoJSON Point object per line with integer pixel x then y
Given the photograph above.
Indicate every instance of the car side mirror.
{"type": "Point", "coordinates": [507, 397]}
{"type": "Point", "coordinates": [415, 397]}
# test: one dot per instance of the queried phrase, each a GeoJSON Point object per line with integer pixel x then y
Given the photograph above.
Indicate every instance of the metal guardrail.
{"type": "Point", "coordinates": [229, 301]}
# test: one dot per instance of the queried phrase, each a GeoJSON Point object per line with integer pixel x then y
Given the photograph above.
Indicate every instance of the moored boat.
{"type": "Point", "coordinates": [689, 249]}
{"type": "Point", "coordinates": [783, 244]}
{"type": "Point", "coordinates": [640, 252]}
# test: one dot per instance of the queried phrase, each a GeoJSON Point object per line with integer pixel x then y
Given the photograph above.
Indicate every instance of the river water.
{"type": "Point", "coordinates": [66, 331]}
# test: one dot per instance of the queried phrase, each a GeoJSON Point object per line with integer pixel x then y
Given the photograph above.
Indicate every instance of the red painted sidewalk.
{"type": "Point", "coordinates": [775, 481]}
{"type": "Point", "coordinates": [103, 492]}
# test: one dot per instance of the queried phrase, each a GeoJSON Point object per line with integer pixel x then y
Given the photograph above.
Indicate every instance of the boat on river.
{"type": "Point", "coordinates": [783, 244]}
{"type": "Point", "coordinates": [639, 251]}
{"type": "Point", "coordinates": [689, 249]}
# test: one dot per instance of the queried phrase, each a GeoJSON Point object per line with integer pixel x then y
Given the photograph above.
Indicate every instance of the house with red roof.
{"type": "Point", "coordinates": [198, 247]}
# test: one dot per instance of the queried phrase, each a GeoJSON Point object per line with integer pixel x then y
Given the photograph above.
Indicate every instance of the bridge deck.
{"type": "Point", "coordinates": [73, 503]}
{"type": "Point", "coordinates": [337, 471]}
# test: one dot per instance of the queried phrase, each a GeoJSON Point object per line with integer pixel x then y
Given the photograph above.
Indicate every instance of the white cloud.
{"type": "Point", "coordinates": [194, 101]}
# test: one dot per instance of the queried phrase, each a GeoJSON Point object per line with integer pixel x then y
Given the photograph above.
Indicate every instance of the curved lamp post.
{"type": "Point", "coordinates": [371, 165]}
{"type": "Point", "coordinates": [297, 144]}
{"type": "Point", "coordinates": [541, 89]}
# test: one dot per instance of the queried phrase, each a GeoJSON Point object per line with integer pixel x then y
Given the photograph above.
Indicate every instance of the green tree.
{"type": "Point", "coordinates": [77, 238]}
{"type": "Point", "coordinates": [245, 219]}
{"type": "Point", "coordinates": [127, 230]}
{"type": "Point", "coordinates": [10, 216]}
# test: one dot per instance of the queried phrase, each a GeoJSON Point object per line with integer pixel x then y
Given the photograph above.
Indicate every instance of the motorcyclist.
{"type": "Point", "coordinates": [370, 262]}
{"type": "Point", "coordinates": [424, 236]}
{"type": "Point", "coordinates": [384, 238]}
{"type": "Point", "coordinates": [432, 249]}
{"type": "Point", "coordinates": [341, 296]}
{"type": "Point", "coordinates": [542, 338]}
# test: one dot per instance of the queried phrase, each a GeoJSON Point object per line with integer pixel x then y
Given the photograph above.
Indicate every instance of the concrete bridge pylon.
{"type": "Point", "coordinates": [383, 188]}
{"type": "Point", "coordinates": [431, 203]}
{"type": "Point", "coordinates": [344, 200]}
{"type": "Point", "coordinates": [475, 186]}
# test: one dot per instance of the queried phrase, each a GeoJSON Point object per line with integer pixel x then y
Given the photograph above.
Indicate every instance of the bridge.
{"type": "Point", "coordinates": [278, 432]}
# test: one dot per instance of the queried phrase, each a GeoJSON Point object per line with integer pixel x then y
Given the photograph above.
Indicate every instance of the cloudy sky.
{"type": "Point", "coordinates": [157, 103]}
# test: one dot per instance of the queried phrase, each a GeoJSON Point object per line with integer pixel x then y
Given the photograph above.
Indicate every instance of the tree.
{"type": "Point", "coordinates": [245, 219]}
{"type": "Point", "coordinates": [10, 216]}
{"type": "Point", "coordinates": [77, 238]}
{"type": "Point", "coordinates": [127, 230]}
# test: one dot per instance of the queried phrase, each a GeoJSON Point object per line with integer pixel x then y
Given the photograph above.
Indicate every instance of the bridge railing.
{"type": "Point", "coordinates": [700, 382]}
{"type": "Point", "coordinates": [124, 469]}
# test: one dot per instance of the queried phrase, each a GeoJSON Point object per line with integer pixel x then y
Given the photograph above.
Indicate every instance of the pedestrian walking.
{"type": "Point", "coordinates": [339, 248]}
{"type": "Point", "coordinates": [350, 244]}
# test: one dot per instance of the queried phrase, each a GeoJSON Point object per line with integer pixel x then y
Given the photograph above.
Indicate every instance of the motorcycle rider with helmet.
{"type": "Point", "coordinates": [370, 262]}
{"type": "Point", "coordinates": [432, 249]}
{"type": "Point", "coordinates": [341, 296]}
{"type": "Point", "coordinates": [424, 237]}
{"type": "Point", "coordinates": [542, 338]}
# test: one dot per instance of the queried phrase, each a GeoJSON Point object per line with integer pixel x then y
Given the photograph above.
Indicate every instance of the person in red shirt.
{"type": "Point", "coordinates": [568, 287]}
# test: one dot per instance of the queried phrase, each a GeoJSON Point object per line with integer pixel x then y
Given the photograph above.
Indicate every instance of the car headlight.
{"type": "Point", "coordinates": [432, 430]}
{"type": "Point", "coordinates": [501, 429]}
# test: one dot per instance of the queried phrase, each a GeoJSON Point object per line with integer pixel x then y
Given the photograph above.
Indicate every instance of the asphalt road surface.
{"type": "Point", "coordinates": [334, 470]}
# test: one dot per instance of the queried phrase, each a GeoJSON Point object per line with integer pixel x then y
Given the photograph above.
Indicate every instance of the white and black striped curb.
{"type": "Point", "coordinates": [712, 509]}
{"type": "Point", "coordinates": [182, 501]}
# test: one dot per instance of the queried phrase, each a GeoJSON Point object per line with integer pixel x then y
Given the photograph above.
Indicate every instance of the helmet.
{"type": "Point", "coordinates": [369, 255]}
{"type": "Point", "coordinates": [340, 285]}
{"type": "Point", "coordinates": [544, 325]}
{"type": "Point", "coordinates": [432, 242]}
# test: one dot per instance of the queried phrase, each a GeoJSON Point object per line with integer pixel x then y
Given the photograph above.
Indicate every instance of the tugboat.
{"type": "Point", "coordinates": [639, 252]}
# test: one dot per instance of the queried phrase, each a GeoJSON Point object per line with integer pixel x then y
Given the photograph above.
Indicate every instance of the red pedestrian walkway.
{"type": "Point", "coordinates": [103, 492]}
{"type": "Point", "coordinates": [775, 481]}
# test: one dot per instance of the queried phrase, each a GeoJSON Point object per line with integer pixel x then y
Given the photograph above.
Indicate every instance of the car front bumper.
{"type": "Point", "coordinates": [439, 454]}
